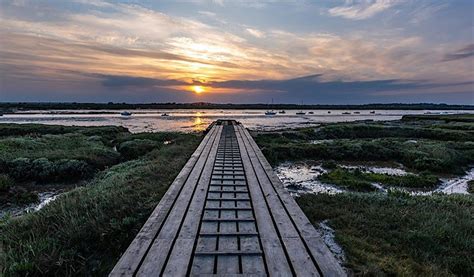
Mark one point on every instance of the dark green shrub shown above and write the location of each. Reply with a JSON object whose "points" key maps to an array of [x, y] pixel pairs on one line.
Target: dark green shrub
{"points": [[135, 148], [329, 164], [43, 170], [5, 183]]}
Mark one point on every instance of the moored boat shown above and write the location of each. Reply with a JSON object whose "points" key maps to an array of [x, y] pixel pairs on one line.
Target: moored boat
{"points": [[270, 113]]}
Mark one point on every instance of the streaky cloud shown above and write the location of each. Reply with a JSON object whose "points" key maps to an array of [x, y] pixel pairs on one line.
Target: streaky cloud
{"points": [[463, 53]]}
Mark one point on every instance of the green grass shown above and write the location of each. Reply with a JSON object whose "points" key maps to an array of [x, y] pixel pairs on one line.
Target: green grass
{"points": [[400, 235], [12, 129], [361, 181], [51, 158], [54, 147], [419, 144], [84, 231], [435, 156], [445, 118]]}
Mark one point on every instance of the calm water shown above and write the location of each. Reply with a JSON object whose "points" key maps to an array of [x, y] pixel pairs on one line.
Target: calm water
{"points": [[198, 120]]}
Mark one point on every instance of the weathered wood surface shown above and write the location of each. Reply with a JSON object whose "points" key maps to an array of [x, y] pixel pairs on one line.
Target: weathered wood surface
{"points": [[227, 213]]}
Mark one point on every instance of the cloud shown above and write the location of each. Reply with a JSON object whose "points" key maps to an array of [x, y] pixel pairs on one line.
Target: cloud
{"points": [[463, 53], [207, 13], [112, 81], [362, 9], [256, 33], [83, 46]]}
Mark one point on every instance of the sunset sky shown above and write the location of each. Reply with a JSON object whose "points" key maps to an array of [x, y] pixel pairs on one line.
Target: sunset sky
{"points": [[327, 52]]}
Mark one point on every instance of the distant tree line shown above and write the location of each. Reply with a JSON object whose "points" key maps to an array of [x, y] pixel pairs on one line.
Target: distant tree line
{"points": [[18, 106]]}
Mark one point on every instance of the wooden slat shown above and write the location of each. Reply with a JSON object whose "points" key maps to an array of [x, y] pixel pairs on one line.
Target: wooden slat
{"points": [[299, 258], [327, 264], [275, 257], [131, 259], [155, 260], [182, 251]]}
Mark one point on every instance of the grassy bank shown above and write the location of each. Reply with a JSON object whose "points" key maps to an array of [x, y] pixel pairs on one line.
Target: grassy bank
{"points": [[390, 234], [84, 231], [419, 146], [49, 153], [362, 181], [399, 235]]}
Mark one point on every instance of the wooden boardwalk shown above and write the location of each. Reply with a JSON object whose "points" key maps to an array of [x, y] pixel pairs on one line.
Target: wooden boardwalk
{"points": [[227, 213]]}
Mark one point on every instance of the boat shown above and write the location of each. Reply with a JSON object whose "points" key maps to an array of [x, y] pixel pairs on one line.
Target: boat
{"points": [[282, 112], [356, 112], [329, 111], [125, 113], [270, 113], [300, 113], [311, 113], [165, 114], [372, 112], [346, 113]]}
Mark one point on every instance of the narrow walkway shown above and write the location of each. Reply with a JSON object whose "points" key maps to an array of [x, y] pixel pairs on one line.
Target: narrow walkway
{"points": [[227, 213]]}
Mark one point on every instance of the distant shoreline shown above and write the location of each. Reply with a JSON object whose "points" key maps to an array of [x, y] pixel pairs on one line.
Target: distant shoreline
{"points": [[9, 107]]}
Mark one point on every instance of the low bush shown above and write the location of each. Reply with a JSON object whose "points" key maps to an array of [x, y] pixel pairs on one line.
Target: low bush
{"points": [[133, 149], [43, 170], [361, 181]]}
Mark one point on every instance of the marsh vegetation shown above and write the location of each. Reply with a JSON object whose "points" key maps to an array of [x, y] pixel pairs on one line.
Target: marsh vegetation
{"points": [[83, 231], [371, 173]]}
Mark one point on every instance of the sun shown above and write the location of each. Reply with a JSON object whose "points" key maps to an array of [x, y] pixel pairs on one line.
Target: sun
{"points": [[198, 89]]}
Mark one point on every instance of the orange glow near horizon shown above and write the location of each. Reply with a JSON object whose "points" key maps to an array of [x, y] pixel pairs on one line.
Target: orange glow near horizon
{"points": [[198, 89]]}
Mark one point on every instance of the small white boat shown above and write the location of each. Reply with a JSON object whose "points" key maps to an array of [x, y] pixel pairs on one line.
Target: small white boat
{"points": [[310, 112], [372, 112], [356, 112], [125, 113], [282, 112], [300, 113], [346, 113], [165, 114], [270, 113]]}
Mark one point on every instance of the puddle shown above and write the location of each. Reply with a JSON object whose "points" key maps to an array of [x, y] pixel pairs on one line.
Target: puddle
{"points": [[376, 169], [327, 234], [456, 185], [44, 199], [320, 141], [299, 178]]}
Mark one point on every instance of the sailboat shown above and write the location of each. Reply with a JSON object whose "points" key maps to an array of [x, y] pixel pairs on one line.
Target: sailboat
{"points": [[271, 112], [301, 112]]}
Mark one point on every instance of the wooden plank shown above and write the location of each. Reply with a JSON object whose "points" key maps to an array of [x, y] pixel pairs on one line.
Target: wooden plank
{"points": [[275, 257], [228, 264], [327, 264], [295, 248], [157, 255], [181, 253], [131, 258]]}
